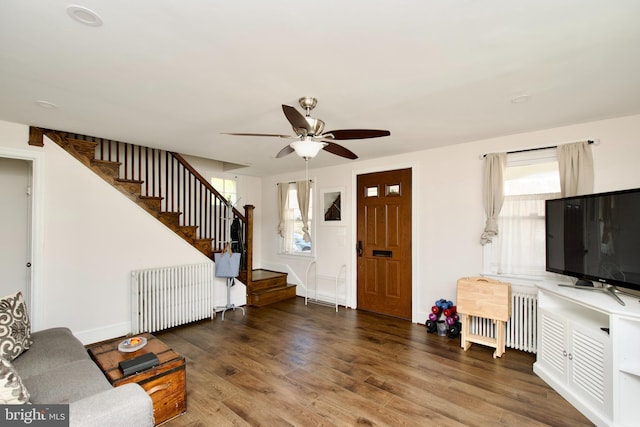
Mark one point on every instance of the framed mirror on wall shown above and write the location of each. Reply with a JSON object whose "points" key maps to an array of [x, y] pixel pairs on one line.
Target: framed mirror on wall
{"points": [[331, 202]]}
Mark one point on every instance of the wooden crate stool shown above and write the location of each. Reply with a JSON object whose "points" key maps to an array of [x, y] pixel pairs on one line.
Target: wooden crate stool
{"points": [[487, 298]]}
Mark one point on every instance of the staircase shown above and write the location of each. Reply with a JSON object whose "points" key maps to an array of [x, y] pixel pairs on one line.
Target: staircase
{"points": [[168, 188], [269, 287]]}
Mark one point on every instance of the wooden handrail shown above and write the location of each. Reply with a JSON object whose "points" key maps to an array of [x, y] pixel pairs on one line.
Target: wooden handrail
{"points": [[205, 182]]}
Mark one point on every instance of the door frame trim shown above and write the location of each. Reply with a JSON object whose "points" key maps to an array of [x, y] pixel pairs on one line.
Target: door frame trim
{"points": [[352, 294], [36, 158]]}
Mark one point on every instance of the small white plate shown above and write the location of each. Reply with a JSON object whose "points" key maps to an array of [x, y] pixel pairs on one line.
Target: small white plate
{"points": [[132, 344]]}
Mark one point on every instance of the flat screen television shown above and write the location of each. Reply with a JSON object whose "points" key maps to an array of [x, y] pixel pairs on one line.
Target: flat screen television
{"points": [[596, 238]]}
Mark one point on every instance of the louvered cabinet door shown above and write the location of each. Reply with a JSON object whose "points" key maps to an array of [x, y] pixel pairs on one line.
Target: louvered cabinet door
{"points": [[576, 353], [552, 347], [589, 365]]}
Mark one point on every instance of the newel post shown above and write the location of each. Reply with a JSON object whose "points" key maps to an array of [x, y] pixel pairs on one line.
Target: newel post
{"points": [[36, 136], [248, 214]]}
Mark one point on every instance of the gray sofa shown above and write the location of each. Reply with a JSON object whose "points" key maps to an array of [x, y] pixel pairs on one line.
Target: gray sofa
{"points": [[58, 369]]}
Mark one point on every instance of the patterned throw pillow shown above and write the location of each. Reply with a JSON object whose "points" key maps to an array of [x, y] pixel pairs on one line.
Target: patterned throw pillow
{"points": [[15, 328], [12, 391]]}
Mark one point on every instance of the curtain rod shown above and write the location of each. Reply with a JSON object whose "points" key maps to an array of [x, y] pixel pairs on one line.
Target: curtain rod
{"points": [[292, 182], [589, 141]]}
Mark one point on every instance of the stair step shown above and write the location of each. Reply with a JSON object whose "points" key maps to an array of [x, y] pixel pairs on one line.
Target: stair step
{"points": [[108, 168], [268, 287], [204, 246], [188, 232], [131, 186], [170, 219], [267, 279], [153, 203], [82, 147], [271, 295]]}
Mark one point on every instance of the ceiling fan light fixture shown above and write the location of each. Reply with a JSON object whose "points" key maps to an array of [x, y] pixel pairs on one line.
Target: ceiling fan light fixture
{"points": [[307, 148], [310, 137]]}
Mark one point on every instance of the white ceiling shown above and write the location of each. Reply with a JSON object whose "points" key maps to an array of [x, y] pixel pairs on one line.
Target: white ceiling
{"points": [[176, 74]]}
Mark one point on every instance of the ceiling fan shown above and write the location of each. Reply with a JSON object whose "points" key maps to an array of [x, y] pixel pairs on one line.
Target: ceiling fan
{"points": [[310, 138]]}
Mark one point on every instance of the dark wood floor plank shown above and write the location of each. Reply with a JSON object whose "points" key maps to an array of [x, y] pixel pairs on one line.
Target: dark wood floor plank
{"points": [[290, 364], [359, 406]]}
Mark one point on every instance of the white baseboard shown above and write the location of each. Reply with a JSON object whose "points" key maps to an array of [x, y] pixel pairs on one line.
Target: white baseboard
{"points": [[91, 336], [324, 297]]}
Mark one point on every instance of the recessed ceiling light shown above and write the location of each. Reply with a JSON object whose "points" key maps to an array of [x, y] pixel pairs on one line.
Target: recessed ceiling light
{"points": [[520, 99], [84, 15], [46, 104]]}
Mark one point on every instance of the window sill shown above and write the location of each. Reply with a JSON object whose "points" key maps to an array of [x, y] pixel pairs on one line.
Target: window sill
{"points": [[518, 282]]}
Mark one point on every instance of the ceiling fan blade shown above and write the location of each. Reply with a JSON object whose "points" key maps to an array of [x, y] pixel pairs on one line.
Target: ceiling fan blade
{"points": [[343, 134], [275, 135], [285, 151], [296, 119], [339, 150]]}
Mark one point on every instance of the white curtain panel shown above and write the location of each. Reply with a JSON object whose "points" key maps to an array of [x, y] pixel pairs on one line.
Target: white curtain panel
{"points": [[521, 220], [283, 194], [493, 193], [288, 230], [304, 195], [575, 162]]}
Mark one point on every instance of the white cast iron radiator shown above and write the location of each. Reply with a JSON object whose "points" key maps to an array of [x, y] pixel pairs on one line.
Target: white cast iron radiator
{"points": [[165, 297], [521, 327]]}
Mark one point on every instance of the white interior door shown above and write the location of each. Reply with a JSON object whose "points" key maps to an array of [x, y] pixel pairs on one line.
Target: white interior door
{"points": [[15, 177]]}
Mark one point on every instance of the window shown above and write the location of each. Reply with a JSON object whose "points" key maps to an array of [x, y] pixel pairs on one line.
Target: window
{"points": [[372, 192], [293, 241], [227, 187], [519, 249]]}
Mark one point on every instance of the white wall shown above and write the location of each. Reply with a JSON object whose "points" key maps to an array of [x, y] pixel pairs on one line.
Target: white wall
{"points": [[448, 213], [93, 238]]}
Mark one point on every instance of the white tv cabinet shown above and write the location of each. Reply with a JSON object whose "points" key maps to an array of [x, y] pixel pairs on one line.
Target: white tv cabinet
{"points": [[589, 352]]}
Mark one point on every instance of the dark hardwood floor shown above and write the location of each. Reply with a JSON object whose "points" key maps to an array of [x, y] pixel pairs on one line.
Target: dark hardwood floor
{"points": [[291, 364]]}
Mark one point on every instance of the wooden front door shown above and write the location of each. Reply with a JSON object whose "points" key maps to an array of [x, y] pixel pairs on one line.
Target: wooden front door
{"points": [[384, 243]]}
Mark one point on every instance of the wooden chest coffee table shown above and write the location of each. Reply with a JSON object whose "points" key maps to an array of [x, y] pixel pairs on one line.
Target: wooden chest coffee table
{"points": [[165, 383]]}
